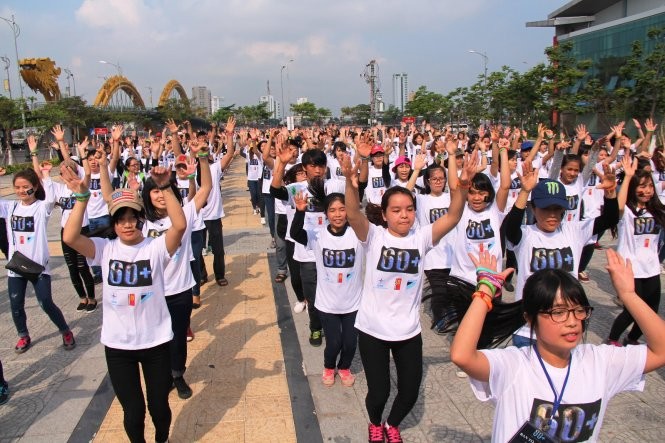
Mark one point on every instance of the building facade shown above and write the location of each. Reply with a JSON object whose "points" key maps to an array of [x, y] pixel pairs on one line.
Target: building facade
{"points": [[603, 31], [202, 98], [272, 106], [400, 90]]}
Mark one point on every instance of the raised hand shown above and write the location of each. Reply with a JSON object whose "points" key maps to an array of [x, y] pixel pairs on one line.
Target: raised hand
{"points": [[72, 180], [230, 125], [160, 175], [285, 152], [350, 169], [82, 146], [621, 272], [58, 133], [172, 127], [636, 122], [529, 177], [300, 199], [609, 180], [191, 166], [470, 166], [32, 143], [649, 125], [581, 132], [45, 166], [488, 261], [420, 161], [629, 167], [101, 157], [116, 132]]}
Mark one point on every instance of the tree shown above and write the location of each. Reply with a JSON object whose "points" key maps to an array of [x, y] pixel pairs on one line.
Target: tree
{"points": [[392, 115], [430, 105], [10, 116], [176, 109], [253, 114], [222, 114], [358, 114], [310, 113]]}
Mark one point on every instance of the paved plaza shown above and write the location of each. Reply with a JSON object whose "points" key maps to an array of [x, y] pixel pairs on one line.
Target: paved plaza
{"points": [[254, 375]]}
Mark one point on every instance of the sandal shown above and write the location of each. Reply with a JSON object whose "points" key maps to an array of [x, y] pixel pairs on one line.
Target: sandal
{"points": [[280, 278], [196, 304]]}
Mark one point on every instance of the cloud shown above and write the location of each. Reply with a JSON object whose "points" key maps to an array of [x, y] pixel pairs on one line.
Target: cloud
{"points": [[110, 13]]}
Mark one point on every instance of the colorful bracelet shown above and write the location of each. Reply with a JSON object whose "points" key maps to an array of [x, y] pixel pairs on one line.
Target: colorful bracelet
{"points": [[488, 284], [33, 154], [203, 154], [485, 298], [191, 176], [81, 194]]}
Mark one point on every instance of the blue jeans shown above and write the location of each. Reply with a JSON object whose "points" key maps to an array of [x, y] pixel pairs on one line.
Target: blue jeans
{"points": [[341, 339], [93, 225], [269, 202], [17, 287]]}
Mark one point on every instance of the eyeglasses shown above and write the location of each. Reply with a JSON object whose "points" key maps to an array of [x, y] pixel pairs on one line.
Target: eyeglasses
{"points": [[436, 179], [560, 315]]}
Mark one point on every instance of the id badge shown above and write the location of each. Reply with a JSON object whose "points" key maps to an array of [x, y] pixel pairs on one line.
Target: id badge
{"points": [[528, 433]]}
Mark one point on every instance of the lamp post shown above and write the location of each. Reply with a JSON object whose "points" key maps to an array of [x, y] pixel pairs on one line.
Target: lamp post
{"points": [[5, 59], [281, 86], [117, 65], [71, 75], [485, 60], [150, 89], [17, 31]]}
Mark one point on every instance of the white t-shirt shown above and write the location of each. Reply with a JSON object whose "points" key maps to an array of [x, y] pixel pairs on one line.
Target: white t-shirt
{"points": [[638, 241], [97, 207], [476, 232], [254, 168], [592, 197], [335, 169], [520, 391], [183, 189], [389, 308], [339, 270], [135, 311], [375, 185], [214, 209], [178, 275], [26, 229], [573, 193], [267, 179], [65, 200], [430, 209]]}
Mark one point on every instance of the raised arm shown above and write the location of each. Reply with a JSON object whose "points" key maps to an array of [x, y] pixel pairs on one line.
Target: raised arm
{"points": [[629, 168], [298, 232], [652, 326], [175, 140], [201, 153], [59, 135], [418, 166], [357, 219], [71, 233], [230, 148], [504, 183], [162, 178], [116, 133]]}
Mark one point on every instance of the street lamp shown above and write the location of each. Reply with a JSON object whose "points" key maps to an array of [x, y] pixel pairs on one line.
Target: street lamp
{"points": [[70, 75], [150, 89], [117, 65], [485, 60], [281, 84], [17, 31], [5, 59]]}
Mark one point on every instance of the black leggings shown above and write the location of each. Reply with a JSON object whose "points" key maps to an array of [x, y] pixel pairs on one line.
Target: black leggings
{"points": [[649, 290], [308, 279], [341, 339], [294, 270], [408, 357], [180, 308], [123, 366], [79, 271]]}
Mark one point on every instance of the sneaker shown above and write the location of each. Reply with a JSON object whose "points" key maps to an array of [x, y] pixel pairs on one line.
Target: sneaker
{"points": [[391, 433], [347, 377], [627, 341], [97, 279], [263, 220], [315, 338], [190, 334], [375, 433], [4, 393], [612, 343], [583, 277], [461, 374], [299, 307], [508, 286], [328, 377], [68, 341], [22, 345], [184, 391], [82, 306], [91, 307]]}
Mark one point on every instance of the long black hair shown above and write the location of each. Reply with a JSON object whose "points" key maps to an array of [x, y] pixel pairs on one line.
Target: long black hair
{"points": [[151, 213], [109, 231], [30, 175], [654, 205]]}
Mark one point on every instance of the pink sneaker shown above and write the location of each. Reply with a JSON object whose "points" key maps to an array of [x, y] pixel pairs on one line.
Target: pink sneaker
{"points": [[612, 343], [347, 377], [375, 433], [392, 434], [328, 377]]}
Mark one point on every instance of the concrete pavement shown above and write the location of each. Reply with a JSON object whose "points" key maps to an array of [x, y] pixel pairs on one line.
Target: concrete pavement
{"points": [[254, 375]]}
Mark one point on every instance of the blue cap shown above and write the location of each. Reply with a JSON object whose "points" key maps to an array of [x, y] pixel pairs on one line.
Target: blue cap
{"points": [[549, 193], [526, 145]]}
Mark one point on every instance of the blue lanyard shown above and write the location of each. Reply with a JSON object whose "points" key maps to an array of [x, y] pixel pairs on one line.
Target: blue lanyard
{"points": [[557, 399]]}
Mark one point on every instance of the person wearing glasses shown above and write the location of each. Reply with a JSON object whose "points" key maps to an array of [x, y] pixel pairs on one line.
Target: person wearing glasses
{"points": [[559, 388]]}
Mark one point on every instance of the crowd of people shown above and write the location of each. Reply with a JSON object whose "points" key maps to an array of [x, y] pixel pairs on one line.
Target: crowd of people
{"points": [[366, 223]]}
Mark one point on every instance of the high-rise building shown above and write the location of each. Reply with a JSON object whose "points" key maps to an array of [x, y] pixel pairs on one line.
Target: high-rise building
{"points": [[272, 106], [301, 100], [215, 103], [400, 90], [202, 98]]}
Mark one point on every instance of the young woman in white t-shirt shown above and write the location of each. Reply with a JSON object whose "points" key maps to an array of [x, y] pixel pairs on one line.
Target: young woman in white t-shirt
{"points": [[178, 276], [560, 387], [339, 266], [27, 217], [642, 219], [136, 325], [388, 319]]}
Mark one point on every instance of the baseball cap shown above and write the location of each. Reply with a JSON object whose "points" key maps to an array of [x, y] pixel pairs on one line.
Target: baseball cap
{"points": [[377, 149], [400, 161], [181, 160], [526, 145], [126, 197], [549, 193], [459, 152]]}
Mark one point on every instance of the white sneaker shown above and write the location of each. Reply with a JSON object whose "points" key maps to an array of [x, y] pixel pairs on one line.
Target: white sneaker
{"points": [[299, 307], [263, 220], [461, 374]]}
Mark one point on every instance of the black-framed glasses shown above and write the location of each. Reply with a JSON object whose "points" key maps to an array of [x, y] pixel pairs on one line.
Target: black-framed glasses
{"points": [[560, 315], [436, 179]]}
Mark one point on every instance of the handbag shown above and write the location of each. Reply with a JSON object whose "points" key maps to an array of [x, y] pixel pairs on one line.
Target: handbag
{"points": [[22, 265], [25, 267]]}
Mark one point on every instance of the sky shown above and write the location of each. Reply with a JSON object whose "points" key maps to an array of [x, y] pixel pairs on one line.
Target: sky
{"points": [[235, 47]]}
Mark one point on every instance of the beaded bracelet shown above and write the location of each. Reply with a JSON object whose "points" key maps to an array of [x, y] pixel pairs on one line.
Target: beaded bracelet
{"points": [[81, 194], [33, 154], [202, 154], [485, 298], [191, 176], [489, 285]]}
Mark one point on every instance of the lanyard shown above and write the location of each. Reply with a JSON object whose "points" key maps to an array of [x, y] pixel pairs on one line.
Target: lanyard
{"points": [[557, 399]]}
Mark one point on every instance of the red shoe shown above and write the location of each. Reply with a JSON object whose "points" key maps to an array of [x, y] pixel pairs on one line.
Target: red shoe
{"points": [[68, 341], [190, 334], [392, 434], [375, 433], [347, 377], [328, 377], [22, 345]]}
